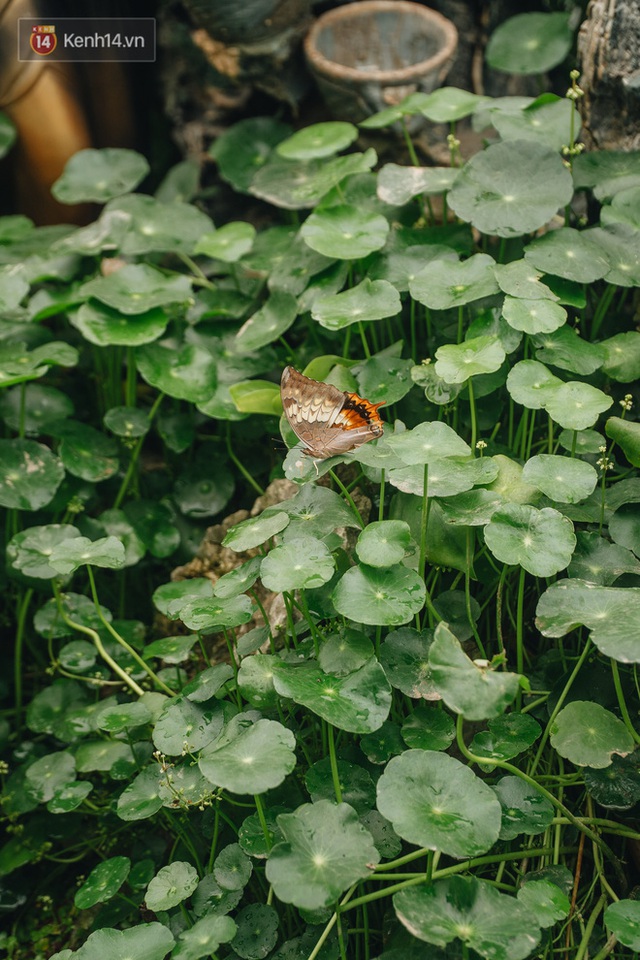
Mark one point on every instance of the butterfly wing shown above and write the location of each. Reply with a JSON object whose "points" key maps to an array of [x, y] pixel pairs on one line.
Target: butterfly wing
{"points": [[327, 420]]}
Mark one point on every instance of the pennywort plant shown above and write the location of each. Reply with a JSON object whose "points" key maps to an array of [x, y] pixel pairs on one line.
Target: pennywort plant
{"points": [[391, 710]]}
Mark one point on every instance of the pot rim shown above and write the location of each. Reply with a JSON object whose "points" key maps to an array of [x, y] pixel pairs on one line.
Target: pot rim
{"points": [[354, 11]]}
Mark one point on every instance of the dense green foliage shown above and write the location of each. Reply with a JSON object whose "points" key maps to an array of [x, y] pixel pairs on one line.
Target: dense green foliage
{"points": [[424, 744]]}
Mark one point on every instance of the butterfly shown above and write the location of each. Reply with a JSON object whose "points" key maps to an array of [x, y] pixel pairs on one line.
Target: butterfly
{"points": [[328, 421]]}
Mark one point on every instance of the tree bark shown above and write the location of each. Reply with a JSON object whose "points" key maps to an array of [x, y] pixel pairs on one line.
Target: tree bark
{"points": [[609, 57]]}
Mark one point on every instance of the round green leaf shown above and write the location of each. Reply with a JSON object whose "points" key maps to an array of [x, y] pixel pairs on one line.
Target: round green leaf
{"points": [[206, 684], [106, 326], [186, 727], [49, 773], [524, 809], [204, 490], [257, 759], [211, 900], [30, 550], [428, 443], [369, 300], [624, 208], [568, 253], [30, 474], [563, 479], [344, 652], [520, 279], [95, 176], [530, 43], [385, 377], [356, 785], [42, 405], [407, 107], [255, 681], [623, 919], [576, 405], [545, 121], [448, 283], [153, 524], [146, 941], [606, 611], [251, 835], [622, 356], [256, 530], [101, 755], [389, 596], [302, 563], [78, 656], [138, 288], [358, 703], [103, 882], [385, 543], [435, 801], [229, 243], [325, 850], [449, 104], [564, 348], [495, 926], [127, 421], [533, 316], [171, 885], [384, 743], [457, 362], [17, 364], [345, 232], [239, 580], [540, 541], [204, 937], [469, 688], [124, 716], [511, 188], [627, 435], [428, 729], [619, 244], [404, 656], [68, 555], [141, 799], [318, 140], [257, 931], [210, 615], [155, 226], [171, 597], [104, 234], [86, 452], [185, 372], [507, 736], [48, 620], [599, 561], [587, 734], [532, 384], [269, 322], [69, 796], [545, 900], [183, 785], [244, 147], [294, 184], [232, 868], [397, 185]]}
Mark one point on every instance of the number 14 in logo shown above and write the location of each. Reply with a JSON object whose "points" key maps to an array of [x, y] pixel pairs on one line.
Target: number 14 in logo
{"points": [[43, 39]]}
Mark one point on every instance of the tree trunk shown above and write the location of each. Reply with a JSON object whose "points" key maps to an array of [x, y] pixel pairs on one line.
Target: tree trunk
{"points": [[609, 55]]}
